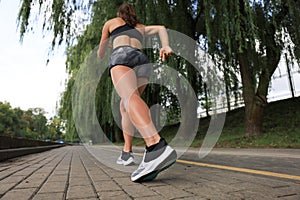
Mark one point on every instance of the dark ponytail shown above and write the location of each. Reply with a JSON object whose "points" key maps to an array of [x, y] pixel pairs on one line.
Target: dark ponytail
{"points": [[127, 13]]}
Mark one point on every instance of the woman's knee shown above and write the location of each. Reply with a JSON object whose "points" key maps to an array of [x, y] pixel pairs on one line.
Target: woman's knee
{"points": [[130, 100]]}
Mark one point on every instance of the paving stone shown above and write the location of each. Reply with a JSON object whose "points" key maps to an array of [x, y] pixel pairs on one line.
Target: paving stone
{"points": [[49, 196], [57, 178], [287, 191], [152, 198], [4, 187], [179, 182], [25, 172], [34, 181], [61, 172], [72, 169], [78, 174], [114, 195], [171, 192], [45, 170], [6, 173], [106, 186], [209, 192], [115, 173], [79, 181], [30, 183], [124, 181], [3, 167], [248, 189], [55, 187], [289, 197], [100, 176], [39, 175], [138, 190], [155, 183], [19, 194], [12, 179], [245, 194], [196, 198], [80, 192]]}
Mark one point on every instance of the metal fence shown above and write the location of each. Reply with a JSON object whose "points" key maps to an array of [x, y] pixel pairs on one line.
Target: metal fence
{"points": [[284, 84]]}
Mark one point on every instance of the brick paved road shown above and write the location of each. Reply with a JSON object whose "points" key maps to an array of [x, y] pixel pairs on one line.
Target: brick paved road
{"points": [[72, 173]]}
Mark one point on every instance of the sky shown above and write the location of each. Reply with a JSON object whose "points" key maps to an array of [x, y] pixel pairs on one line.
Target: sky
{"points": [[25, 79], [27, 82]]}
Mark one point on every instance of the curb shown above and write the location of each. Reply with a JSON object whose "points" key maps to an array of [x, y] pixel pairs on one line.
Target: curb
{"points": [[16, 152]]}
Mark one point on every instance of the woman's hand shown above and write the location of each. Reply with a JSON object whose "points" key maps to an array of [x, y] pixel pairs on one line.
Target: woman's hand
{"points": [[165, 52]]}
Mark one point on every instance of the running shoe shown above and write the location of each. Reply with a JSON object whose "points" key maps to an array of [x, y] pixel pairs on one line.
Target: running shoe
{"points": [[153, 163], [126, 158]]}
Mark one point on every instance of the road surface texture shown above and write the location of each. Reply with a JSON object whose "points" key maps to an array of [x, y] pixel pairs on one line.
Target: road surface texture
{"points": [[79, 172]]}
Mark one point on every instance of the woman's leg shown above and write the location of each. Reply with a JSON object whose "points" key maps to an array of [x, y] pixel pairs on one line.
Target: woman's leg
{"points": [[127, 126], [125, 82]]}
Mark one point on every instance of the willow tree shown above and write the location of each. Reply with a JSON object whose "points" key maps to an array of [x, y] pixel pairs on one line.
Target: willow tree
{"points": [[245, 36], [250, 37], [63, 18]]}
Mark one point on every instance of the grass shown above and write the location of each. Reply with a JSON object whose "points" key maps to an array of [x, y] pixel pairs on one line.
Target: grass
{"points": [[281, 128]]}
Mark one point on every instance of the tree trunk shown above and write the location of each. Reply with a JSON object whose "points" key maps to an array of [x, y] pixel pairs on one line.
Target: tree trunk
{"points": [[254, 114], [255, 98], [227, 87], [254, 102]]}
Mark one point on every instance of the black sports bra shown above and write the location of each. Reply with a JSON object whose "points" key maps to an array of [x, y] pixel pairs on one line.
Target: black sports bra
{"points": [[126, 30]]}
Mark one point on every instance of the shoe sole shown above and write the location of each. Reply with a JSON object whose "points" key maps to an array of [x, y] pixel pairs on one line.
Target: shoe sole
{"points": [[129, 162], [152, 175]]}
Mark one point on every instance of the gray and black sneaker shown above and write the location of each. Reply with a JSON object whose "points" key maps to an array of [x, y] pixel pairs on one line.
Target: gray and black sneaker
{"points": [[153, 163], [126, 158]]}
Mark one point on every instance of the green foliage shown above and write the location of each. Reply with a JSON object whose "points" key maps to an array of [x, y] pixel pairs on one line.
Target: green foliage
{"points": [[28, 124], [58, 16], [7, 118], [238, 34], [250, 37], [76, 58], [251, 26], [55, 129]]}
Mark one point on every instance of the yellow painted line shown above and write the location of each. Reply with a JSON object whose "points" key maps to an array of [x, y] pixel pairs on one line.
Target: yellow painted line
{"points": [[245, 170], [237, 169]]}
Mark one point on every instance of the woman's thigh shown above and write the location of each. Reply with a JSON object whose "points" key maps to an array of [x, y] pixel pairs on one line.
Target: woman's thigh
{"points": [[124, 80]]}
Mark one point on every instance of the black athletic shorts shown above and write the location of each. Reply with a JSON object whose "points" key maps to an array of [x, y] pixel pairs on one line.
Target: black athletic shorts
{"points": [[133, 58]]}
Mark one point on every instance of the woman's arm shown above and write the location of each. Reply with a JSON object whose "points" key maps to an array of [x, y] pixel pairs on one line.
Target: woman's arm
{"points": [[166, 50], [161, 31], [104, 41]]}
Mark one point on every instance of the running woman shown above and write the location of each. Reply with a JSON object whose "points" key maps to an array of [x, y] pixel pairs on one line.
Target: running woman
{"points": [[130, 71]]}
